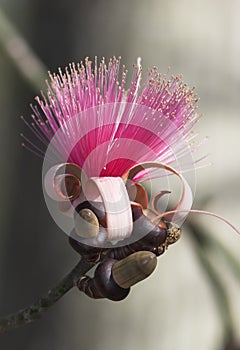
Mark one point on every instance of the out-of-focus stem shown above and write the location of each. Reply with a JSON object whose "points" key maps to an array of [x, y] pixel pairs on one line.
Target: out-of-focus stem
{"points": [[37, 309], [202, 245], [215, 244], [18, 50]]}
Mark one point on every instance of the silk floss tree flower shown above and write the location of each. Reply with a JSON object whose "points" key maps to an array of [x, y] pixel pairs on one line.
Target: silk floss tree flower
{"points": [[101, 143]]}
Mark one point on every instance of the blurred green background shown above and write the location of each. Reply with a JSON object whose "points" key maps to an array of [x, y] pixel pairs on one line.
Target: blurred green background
{"points": [[192, 300]]}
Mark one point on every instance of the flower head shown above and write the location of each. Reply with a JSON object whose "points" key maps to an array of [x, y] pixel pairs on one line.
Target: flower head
{"points": [[104, 139], [92, 107]]}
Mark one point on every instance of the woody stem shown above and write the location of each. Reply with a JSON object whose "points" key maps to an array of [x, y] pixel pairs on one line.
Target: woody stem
{"points": [[38, 308]]}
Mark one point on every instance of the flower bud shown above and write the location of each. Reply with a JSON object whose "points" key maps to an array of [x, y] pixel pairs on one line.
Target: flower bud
{"points": [[133, 269]]}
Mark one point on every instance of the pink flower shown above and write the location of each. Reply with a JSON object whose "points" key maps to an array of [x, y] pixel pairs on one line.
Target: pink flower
{"points": [[89, 119], [92, 126], [102, 141], [150, 121]]}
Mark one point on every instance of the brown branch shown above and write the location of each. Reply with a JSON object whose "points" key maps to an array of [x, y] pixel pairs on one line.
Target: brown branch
{"points": [[37, 309]]}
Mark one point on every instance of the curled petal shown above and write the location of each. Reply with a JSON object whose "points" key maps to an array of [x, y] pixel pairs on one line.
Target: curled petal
{"points": [[166, 214], [68, 207], [138, 194], [156, 198], [179, 213], [113, 193], [63, 182]]}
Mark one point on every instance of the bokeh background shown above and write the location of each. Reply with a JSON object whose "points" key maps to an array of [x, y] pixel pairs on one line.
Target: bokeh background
{"points": [[192, 300]]}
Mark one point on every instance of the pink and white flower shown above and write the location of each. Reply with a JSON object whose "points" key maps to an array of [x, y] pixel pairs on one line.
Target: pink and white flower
{"points": [[159, 115], [102, 139]]}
